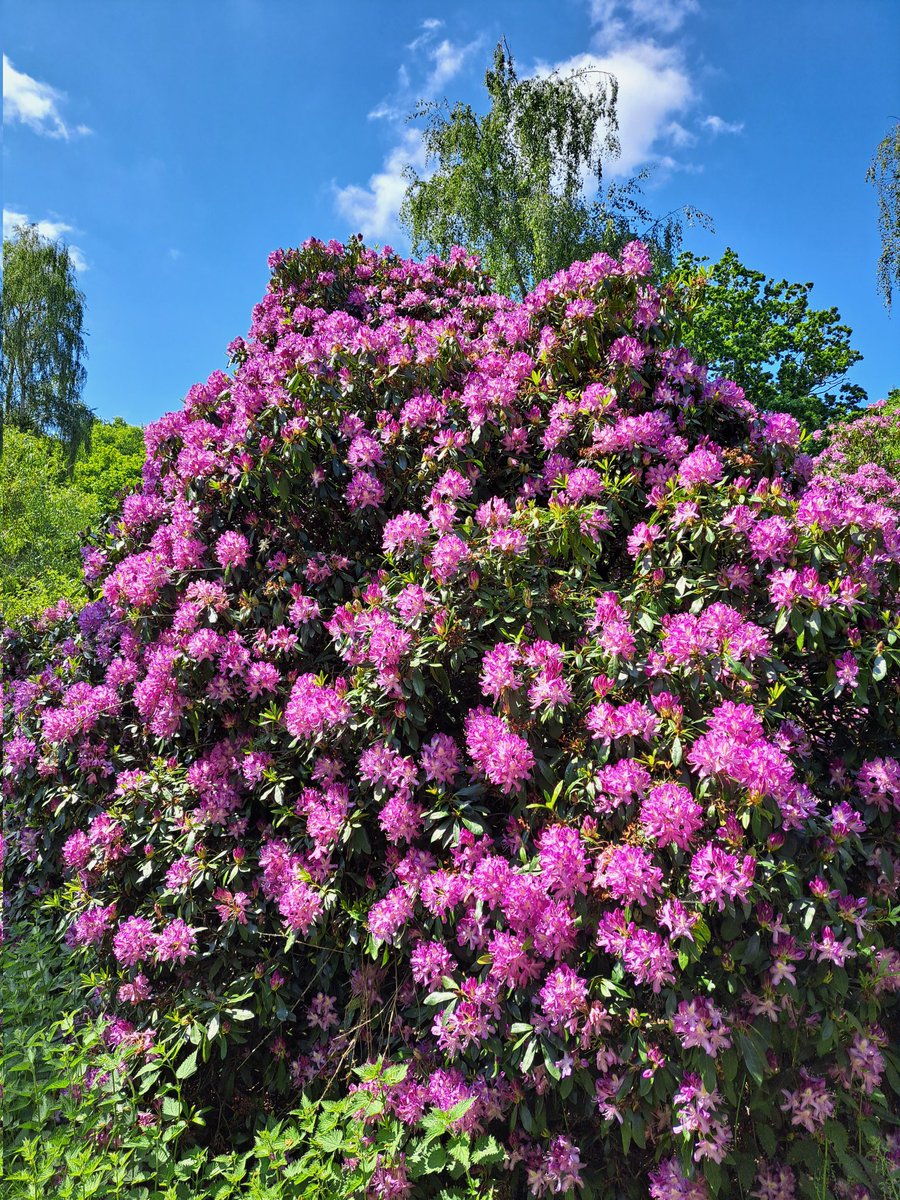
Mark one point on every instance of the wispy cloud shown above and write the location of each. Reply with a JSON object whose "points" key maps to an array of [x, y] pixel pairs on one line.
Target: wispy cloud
{"points": [[35, 104], [444, 60], [717, 125], [679, 135], [55, 231], [433, 61], [428, 28], [448, 60], [660, 16]]}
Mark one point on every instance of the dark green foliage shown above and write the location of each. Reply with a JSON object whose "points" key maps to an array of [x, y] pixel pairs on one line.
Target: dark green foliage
{"points": [[763, 334], [42, 372], [509, 184]]}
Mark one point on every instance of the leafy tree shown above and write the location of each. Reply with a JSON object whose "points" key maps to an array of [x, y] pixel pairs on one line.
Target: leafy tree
{"points": [[113, 464], [763, 334], [509, 184], [42, 372], [42, 515], [46, 508], [884, 174]]}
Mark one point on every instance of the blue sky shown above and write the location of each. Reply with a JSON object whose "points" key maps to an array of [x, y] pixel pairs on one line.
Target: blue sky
{"points": [[174, 143]]}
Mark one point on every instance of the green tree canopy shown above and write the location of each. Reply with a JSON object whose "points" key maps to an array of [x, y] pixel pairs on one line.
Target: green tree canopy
{"points": [[510, 184], [884, 174], [42, 369], [46, 509], [113, 464], [764, 334]]}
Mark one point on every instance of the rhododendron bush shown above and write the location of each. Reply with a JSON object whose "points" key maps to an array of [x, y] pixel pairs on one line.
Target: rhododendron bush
{"points": [[479, 688]]}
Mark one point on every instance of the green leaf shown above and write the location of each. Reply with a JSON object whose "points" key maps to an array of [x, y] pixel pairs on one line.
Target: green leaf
{"points": [[528, 1056], [459, 1109], [708, 1074], [715, 1176], [459, 1150], [753, 1053], [626, 1133], [187, 1067], [836, 1134], [427, 1159], [331, 1141], [766, 1137], [487, 1152]]}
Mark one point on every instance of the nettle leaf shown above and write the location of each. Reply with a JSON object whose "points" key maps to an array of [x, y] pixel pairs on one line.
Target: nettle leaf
{"points": [[426, 1159], [330, 1141], [488, 1152], [187, 1067]]}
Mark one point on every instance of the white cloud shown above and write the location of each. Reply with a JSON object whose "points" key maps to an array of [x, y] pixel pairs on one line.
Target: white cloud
{"points": [[34, 104], [429, 28], [79, 262], [54, 231], [717, 125], [447, 59], [373, 210]]}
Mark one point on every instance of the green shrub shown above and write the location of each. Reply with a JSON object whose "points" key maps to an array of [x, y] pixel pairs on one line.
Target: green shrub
{"points": [[866, 451], [484, 691]]}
